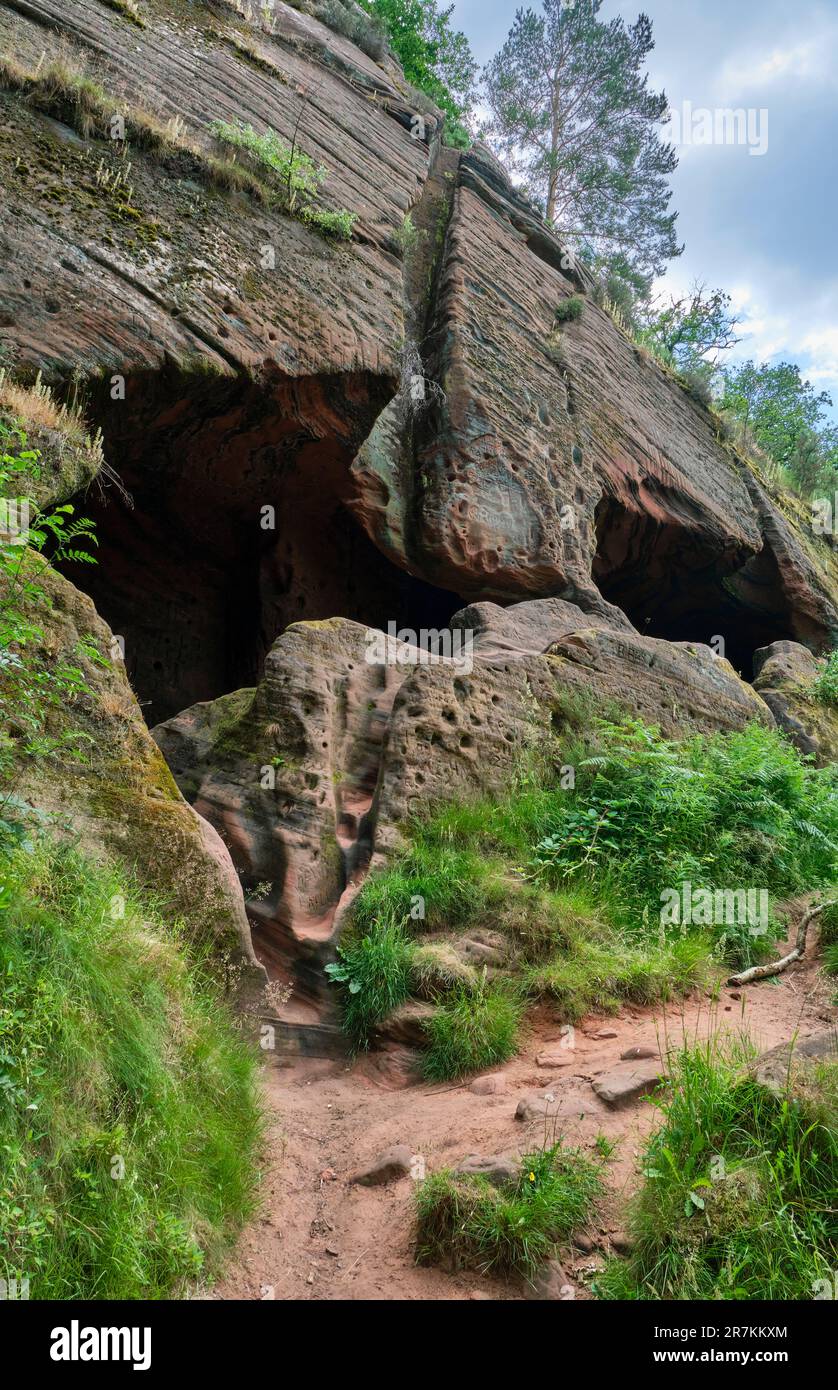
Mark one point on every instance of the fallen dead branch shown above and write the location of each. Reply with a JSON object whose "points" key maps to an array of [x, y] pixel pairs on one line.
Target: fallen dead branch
{"points": [[763, 972]]}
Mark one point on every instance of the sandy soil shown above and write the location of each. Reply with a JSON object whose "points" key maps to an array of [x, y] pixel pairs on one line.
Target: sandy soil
{"points": [[319, 1237]]}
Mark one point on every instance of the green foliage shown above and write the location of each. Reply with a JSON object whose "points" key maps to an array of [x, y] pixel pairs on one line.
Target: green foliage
{"points": [[599, 968], [435, 57], [787, 418], [689, 331], [572, 113], [468, 1222], [373, 972], [408, 235], [739, 1193], [739, 810], [471, 1030], [825, 684], [32, 541], [299, 178], [572, 880], [128, 1112], [570, 309]]}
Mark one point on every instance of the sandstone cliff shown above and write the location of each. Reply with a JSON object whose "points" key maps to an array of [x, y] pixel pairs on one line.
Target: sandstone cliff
{"points": [[320, 437]]}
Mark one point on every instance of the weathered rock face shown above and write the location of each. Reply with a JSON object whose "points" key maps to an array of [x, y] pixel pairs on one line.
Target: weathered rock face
{"points": [[784, 676], [319, 439], [313, 773], [120, 799], [544, 462]]}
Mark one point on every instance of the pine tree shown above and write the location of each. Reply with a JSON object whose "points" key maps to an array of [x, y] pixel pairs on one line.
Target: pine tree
{"points": [[571, 110]]}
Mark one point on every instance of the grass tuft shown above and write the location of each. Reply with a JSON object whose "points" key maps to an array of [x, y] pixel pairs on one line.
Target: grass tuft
{"points": [[471, 1030], [467, 1222]]}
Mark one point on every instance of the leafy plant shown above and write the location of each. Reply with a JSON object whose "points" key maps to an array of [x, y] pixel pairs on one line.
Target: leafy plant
{"points": [[825, 684], [299, 178], [435, 57], [739, 809], [373, 973], [570, 309], [32, 542]]}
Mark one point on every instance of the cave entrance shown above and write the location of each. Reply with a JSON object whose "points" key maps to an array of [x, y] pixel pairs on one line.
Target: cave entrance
{"points": [[671, 583], [237, 525]]}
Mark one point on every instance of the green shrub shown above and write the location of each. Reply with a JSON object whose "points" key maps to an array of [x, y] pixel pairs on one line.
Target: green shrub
{"points": [[727, 811], [128, 1104], [471, 1030], [570, 309], [299, 179], [374, 972], [825, 684], [467, 1221], [739, 1193]]}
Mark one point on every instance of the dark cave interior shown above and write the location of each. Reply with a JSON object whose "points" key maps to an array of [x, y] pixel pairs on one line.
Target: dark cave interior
{"points": [[676, 587], [197, 576], [238, 525]]}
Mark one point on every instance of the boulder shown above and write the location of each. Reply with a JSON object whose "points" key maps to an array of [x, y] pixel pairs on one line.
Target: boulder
{"points": [[493, 1085], [628, 1083], [121, 801], [394, 1163], [784, 674], [790, 1067], [550, 1284], [498, 1170]]}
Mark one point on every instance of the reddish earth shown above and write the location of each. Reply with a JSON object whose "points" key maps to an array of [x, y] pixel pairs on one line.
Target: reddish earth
{"points": [[318, 1237]]}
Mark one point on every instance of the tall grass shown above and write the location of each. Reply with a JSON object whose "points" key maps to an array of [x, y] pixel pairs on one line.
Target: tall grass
{"points": [[739, 1193], [472, 1029], [128, 1113]]}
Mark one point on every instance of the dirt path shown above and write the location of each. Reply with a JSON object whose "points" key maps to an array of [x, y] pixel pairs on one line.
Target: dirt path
{"points": [[321, 1238]]}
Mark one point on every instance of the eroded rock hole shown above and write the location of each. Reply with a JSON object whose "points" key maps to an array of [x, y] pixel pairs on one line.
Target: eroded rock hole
{"points": [[239, 526], [673, 582]]}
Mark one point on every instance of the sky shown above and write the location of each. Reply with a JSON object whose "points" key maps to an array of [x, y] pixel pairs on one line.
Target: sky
{"points": [[764, 227]]}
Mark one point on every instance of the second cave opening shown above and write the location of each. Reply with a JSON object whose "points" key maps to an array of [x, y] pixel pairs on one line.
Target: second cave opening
{"points": [[672, 583]]}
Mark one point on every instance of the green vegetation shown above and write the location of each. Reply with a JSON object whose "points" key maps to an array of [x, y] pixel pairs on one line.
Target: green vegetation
{"points": [[732, 810], [739, 1193], [30, 687], [572, 113], [825, 684], [435, 57], [570, 309], [374, 970], [572, 883], [345, 17], [128, 1117], [787, 419], [467, 1221], [299, 178], [129, 10], [471, 1030], [774, 415]]}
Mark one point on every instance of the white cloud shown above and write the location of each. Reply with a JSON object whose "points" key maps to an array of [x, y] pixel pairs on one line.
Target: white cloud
{"points": [[811, 61]]}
